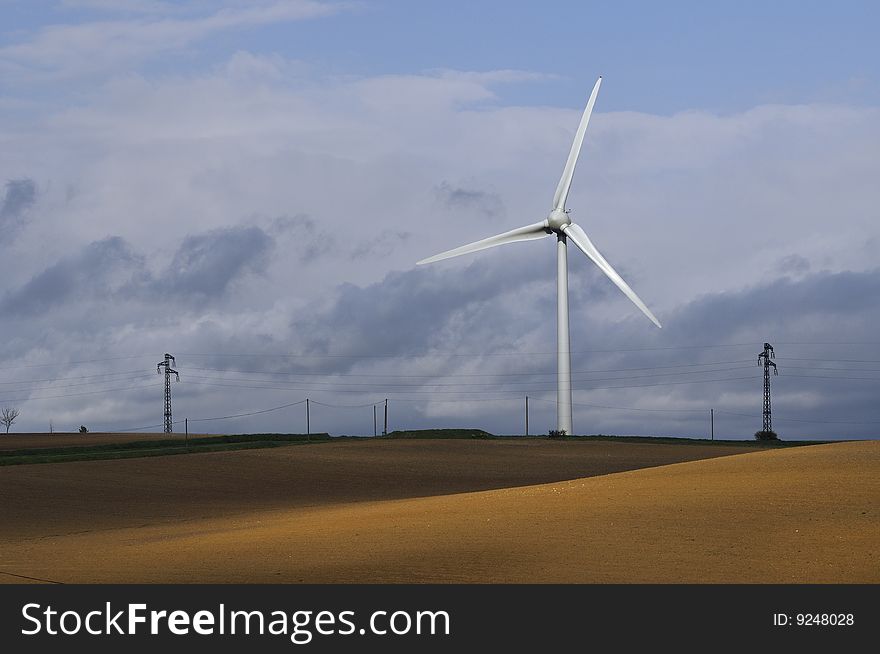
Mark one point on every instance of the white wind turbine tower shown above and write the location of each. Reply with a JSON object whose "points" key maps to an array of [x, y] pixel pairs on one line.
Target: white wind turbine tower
{"points": [[560, 224]]}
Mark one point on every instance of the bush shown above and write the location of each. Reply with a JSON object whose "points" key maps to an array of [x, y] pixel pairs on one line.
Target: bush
{"points": [[557, 433], [83, 429], [766, 436]]}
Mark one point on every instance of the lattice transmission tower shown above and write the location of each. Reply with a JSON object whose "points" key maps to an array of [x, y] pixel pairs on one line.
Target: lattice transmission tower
{"points": [[169, 423], [764, 358]]}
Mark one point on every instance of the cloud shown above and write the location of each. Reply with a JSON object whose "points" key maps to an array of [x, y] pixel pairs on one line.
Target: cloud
{"points": [[435, 91], [302, 234], [458, 198], [98, 269], [109, 271], [89, 47], [428, 311], [381, 245], [125, 6], [19, 197], [206, 264], [777, 305], [794, 265]]}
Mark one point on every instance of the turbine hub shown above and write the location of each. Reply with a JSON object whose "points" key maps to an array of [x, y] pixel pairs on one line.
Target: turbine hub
{"points": [[558, 219]]}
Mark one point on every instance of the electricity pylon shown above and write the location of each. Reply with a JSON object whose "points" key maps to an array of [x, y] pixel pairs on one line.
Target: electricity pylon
{"points": [[168, 372], [764, 358]]}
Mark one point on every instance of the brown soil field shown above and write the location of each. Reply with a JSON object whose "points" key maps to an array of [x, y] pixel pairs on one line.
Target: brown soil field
{"points": [[10, 442], [47, 441], [61, 498], [418, 511]]}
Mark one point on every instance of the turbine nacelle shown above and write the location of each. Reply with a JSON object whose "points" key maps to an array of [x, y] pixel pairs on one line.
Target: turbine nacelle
{"points": [[558, 220]]}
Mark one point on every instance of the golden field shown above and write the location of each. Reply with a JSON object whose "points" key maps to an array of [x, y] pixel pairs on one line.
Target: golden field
{"points": [[450, 511]]}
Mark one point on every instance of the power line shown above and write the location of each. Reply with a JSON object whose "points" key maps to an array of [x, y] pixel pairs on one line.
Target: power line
{"points": [[824, 368], [237, 415], [50, 397], [495, 400], [836, 359], [251, 413], [626, 408], [73, 363], [433, 392], [334, 390], [446, 353], [472, 355], [835, 377], [828, 422], [466, 384], [439, 374], [348, 406], [475, 355], [828, 342], [114, 431], [54, 379], [89, 383]]}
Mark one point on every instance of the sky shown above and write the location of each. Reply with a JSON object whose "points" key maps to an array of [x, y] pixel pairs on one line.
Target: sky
{"points": [[248, 185]]}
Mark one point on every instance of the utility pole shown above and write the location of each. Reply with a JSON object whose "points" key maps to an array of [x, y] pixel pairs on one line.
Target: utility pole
{"points": [[764, 358], [169, 423], [308, 425], [712, 423], [385, 431], [374, 421], [527, 415]]}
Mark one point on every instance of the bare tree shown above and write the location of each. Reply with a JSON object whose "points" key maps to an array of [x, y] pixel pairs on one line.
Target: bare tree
{"points": [[8, 416]]}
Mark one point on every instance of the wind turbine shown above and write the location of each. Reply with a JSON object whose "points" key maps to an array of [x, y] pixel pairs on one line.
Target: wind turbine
{"points": [[558, 223]]}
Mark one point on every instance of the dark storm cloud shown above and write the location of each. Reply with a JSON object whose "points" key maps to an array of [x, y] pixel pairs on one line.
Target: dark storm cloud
{"points": [[206, 264], [492, 305], [406, 311], [95, 271], [20, 195], [485, 306], [784, 305], [808, 306], [730, 328], [458, 198], [110, 271]]}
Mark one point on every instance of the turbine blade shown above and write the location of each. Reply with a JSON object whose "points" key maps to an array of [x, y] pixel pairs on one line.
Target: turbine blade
{"points": [[527, 233], [565, 182], [580, 238]]}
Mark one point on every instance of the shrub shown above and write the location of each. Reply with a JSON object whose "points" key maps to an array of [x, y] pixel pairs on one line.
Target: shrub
{"points": [[766, 436], [557, 433]]}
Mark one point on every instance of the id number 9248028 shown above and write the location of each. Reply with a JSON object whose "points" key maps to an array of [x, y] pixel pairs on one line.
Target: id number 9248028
{"points": [[814, 619]]}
